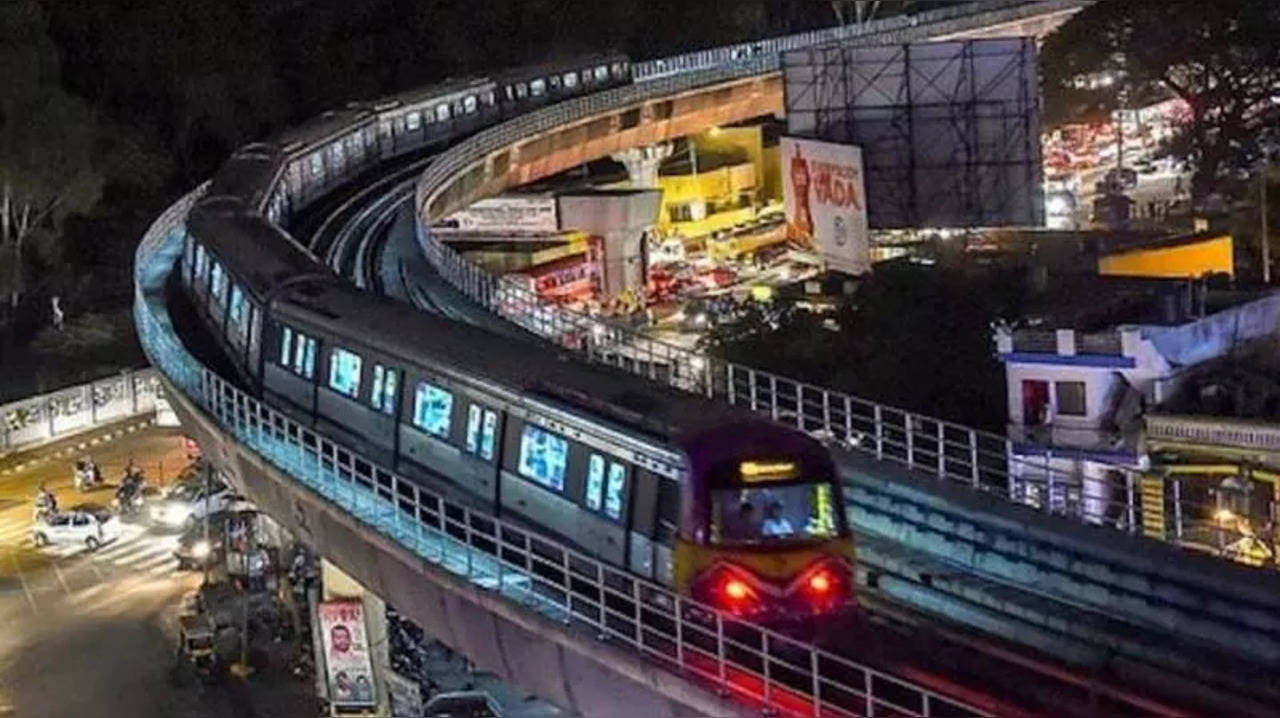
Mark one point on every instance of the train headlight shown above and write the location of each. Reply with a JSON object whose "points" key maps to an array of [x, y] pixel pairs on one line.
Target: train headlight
{"points": [[200, 550]]}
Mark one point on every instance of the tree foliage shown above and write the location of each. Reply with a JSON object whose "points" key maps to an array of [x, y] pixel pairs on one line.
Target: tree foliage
{"points": [[1221, 57], [46, 146], [910, 337]]}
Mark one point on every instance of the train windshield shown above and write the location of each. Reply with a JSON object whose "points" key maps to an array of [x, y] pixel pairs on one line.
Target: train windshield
{"points": [[767, 513]]}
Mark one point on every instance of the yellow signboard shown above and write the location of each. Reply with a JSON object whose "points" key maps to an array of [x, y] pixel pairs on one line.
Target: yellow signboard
{"points": [[761, 471]]}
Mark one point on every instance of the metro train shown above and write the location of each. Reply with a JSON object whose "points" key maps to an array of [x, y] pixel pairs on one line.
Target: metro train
{"points": [[738, 513]]}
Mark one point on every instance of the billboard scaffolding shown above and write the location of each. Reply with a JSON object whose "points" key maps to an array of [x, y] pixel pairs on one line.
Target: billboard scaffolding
{"points": [[949, 131]]}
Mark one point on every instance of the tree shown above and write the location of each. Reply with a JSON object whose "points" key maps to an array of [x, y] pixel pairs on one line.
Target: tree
{"points": [[915, 338], [1222, 58], [46, 145]]}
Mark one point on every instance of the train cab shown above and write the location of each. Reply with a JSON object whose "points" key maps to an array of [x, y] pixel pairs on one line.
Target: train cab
{"points": [[763, 531]]}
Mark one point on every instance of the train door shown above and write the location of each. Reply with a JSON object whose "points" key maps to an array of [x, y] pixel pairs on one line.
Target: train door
{"points": [[1035, 402]]}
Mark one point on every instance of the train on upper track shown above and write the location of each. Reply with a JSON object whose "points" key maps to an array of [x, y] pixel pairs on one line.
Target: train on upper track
{"points": [[741, 514]]}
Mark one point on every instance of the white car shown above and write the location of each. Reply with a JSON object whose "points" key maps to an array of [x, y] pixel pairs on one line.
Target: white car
{"points": [[183, 504], [88, 525], [463, 704]]}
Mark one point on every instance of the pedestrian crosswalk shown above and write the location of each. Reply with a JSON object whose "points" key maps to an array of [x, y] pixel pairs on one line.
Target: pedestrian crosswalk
{"points": [[74, 571]]}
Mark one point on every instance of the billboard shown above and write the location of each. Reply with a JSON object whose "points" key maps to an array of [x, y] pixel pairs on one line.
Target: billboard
{"points": [[825, 204], [949, 131], [346, 654], [509, 214]]}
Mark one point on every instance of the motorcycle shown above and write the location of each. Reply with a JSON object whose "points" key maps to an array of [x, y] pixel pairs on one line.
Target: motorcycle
{"points": [[128, 498], [87, 475]]}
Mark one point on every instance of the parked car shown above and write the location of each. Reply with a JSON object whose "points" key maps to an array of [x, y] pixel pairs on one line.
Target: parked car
{"points": [[185, 503], [88, 525], [463, 704], [194, 550]]}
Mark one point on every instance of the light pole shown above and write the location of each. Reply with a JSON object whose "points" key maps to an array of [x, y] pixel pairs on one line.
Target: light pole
{"points": [[1266, 242]]}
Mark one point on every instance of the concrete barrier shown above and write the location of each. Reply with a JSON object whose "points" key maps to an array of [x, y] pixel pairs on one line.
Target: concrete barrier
{"points": [[32, 422]]}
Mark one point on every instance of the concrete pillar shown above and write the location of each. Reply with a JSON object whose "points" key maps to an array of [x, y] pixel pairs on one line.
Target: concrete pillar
{"points": [[338, 585], [642, 163]]}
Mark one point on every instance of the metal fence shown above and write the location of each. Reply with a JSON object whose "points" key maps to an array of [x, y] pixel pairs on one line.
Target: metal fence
{"points": [[30, 422], [719, 651]]}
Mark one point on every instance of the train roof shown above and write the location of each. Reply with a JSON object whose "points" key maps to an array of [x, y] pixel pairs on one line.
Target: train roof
{"points": [[411, 98], [321, 129], [249, 174], [533, 368], [563, 64], [261, 256]]}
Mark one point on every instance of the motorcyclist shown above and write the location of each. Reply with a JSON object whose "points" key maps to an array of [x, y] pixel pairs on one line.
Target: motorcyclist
{"points": [[46, 502], [87, 474], [130, 490]]}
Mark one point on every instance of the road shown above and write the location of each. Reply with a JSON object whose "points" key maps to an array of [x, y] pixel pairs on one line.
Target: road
{"points": [[91, 634]]}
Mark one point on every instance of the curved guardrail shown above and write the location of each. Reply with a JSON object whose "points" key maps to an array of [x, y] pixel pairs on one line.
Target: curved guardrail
{"points": [[677, 633], [984, 460]]}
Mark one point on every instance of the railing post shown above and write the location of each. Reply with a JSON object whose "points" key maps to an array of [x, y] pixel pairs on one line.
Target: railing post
{"points": [[679, 619], [720, 659], [911, 439], [773, 397], [942, 450], [767, 696], [800, 406], [816, 683], [751, 386], [879, 422], [1177, 508], [730, 390], [826, 413], [1048, 481], [973, 459], [1132, 509], [867, 687]]}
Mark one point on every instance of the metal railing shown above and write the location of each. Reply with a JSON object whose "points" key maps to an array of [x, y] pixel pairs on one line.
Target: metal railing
{"points": [[722, 652], [1213, 431], [31, 422]]}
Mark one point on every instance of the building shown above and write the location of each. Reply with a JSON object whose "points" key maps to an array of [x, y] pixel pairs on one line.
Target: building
{"points": [[1094, 355]]}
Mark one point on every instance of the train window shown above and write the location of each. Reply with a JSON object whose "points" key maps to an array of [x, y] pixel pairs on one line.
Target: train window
{"points": [[510, 93], [469, 104], [384, 128], [336, 150], [202, 260], [382, 396], [432, 407], [442, 113], [522, 90], [602, 73], [344, 372], [587, 77], [555, 82], [482, 425], [218, 280], [238, 305], [317, 165], [538, 87], [543, 457], [286, 345], [769, 512], [570, 80], [616, 491], [490, 99], [595, 482], [304, 355], [412, 121]]}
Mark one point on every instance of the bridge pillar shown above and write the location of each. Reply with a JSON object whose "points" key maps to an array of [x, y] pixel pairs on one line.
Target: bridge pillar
{"points": [[338, 585], [642, 163]]}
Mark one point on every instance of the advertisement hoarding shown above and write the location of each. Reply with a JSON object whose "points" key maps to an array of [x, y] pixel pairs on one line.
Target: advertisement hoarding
{"points": [[346, 654], [823, 195], [509, 214]]}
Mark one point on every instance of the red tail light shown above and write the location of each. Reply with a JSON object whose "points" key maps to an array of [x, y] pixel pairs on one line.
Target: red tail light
{"points": [[820, 582], [824, 586], [729, 589]]}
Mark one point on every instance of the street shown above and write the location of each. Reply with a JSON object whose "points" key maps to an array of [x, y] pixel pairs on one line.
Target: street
{"points": [[92, 634]]}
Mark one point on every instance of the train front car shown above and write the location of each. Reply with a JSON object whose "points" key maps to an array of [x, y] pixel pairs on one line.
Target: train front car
{"points": [[763, 531]]}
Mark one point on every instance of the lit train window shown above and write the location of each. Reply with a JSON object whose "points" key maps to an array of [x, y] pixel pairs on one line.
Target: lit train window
{"points": [[202, 261], [595, 482], [344, 372], [490, 99], [482, 427], [602, 73], [570, 79], [616, 491], [336, 150], [538, 87], [543, 457], [304, 355], [317, 165], [384, 128], [286, 345], [432, 407], [442, 113], [412, 121], [236, 311], [218, 280], [522, 90], [469, 104], [382, 396]]}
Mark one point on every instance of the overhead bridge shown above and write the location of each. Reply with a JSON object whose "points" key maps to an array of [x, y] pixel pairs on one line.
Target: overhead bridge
{"points": [[577, 632]]}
